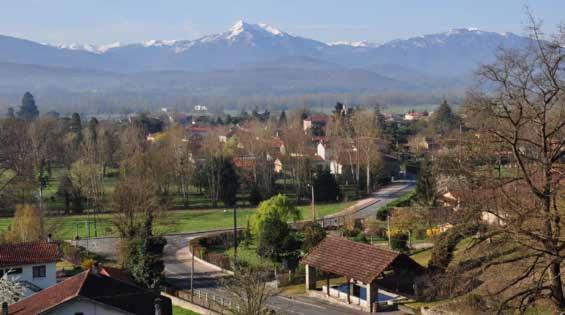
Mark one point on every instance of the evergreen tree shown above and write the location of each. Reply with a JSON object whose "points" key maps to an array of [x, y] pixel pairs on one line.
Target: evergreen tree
{"points": [[282, 118], [93, 129], [28, 110], [229, 183], [426, 184], [229, 120], [326, 187], [338, 108], [444, 120], [275, 240]]}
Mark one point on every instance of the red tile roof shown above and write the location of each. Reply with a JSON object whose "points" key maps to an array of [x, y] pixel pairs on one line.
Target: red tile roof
{"points": [[96, 287], [354, 260], [29, 253], [317, 118]]}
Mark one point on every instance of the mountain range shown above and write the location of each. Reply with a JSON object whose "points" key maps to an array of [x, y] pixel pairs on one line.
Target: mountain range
{"points": [[251, 59]]}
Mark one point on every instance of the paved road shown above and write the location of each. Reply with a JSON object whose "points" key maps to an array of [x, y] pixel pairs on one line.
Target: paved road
{"points": [[207, 278], [384, 196]]}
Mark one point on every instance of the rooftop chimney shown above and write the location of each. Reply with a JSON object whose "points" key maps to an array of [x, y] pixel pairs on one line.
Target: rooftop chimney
{"points": [[49, 238], [5, 308], [95, 268]]}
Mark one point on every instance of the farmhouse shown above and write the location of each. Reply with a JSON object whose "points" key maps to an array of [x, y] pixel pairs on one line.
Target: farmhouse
{"points": [[32, 264], [91, 292]]}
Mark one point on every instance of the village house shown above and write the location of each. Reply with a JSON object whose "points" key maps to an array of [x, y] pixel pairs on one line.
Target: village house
{"points": [[413, 115], [31, 264], [315, 123], [91, 292]]}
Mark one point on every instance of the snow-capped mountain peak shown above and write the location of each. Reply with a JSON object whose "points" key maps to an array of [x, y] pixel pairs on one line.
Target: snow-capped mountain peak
{"points": [[242, 28], [95, 49], [159, 43], [357, 44]]}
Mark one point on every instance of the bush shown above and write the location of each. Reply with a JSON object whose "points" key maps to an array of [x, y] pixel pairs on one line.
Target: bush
{"points": [[313, 234], [255, 196], [326, 187], [361, 238], [404, 201], [399, 242], [87, 264]]}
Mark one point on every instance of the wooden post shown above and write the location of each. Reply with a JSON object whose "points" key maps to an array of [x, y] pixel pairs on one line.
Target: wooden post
{"points": [[349, 291], [310, 278], [371, 297], [328, 283]]}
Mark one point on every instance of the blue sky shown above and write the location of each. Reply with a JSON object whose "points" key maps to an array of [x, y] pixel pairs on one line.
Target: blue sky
{"points": [[105, 21]]}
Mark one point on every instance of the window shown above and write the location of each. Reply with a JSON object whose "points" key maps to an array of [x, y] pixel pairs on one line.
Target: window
{"points": [[14, 271], [39, 271]]}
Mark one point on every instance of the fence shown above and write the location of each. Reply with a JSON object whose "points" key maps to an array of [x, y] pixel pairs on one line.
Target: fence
{"points": [[207, 300]]}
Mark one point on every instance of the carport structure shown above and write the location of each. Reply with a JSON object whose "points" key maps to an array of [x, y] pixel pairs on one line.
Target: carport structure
{"points": [[363, 266]]}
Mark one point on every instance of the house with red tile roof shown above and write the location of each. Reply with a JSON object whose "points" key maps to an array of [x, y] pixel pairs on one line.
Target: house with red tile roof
{"points": [[92, 292], [32, 264]]}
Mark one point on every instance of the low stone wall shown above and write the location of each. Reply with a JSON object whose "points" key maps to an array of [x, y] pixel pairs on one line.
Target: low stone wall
{"points": [[189, 306]]}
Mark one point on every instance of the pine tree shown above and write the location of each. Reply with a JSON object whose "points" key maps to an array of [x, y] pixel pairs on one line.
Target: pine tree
{"points": [[28, 110], [444, 120], [229, 183]]}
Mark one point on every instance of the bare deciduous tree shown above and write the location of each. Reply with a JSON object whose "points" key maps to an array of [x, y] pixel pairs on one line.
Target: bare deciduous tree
{"points": [[520, 116]]}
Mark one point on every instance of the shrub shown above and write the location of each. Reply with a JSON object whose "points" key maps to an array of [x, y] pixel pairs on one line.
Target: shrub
{"points": [[399, 242], [87, 264], [313, 234]]}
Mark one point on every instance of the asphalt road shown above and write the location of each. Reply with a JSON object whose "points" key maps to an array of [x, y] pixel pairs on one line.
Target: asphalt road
{"points": [[207, 278], [384, 196]]}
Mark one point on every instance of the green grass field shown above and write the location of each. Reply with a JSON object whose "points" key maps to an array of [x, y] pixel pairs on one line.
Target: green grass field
{"points": [[181, 311], [66, 227]]}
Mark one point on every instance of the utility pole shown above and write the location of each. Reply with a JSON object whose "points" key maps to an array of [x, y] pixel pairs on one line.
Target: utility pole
{"points": [[235, 237], [388, 228], [313, 204], [192, 275]]}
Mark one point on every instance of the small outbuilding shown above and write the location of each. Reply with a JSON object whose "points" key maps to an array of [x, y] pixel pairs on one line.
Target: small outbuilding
{"points": [[366, 268]]}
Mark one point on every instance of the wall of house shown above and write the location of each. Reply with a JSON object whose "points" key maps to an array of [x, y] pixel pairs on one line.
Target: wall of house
{"points": [[321, 151], [27, 275], [85, 307]]}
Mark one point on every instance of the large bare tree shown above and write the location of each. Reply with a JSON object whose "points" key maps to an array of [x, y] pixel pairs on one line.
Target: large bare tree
{"points": [[510, 169]]}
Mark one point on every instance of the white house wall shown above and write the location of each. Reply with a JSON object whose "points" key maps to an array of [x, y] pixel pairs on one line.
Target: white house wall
{"points": [[27, 275]]}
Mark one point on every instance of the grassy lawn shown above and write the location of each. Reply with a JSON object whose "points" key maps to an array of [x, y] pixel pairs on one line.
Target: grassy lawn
{"points": [[181, 311], [66, 227], [324, 209]]}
